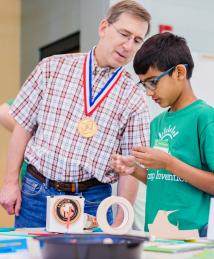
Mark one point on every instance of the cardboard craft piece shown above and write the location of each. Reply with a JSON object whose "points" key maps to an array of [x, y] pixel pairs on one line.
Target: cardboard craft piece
{"points": [[162, 228], [90, 221]]}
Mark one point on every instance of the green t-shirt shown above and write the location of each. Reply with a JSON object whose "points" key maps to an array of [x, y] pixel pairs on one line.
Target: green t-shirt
{"points": [[24, 164], [190, 136]]}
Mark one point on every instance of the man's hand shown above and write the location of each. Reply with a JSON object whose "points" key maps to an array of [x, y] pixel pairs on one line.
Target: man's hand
{"points": [[151, 157], [10, 198], [123, 165]]}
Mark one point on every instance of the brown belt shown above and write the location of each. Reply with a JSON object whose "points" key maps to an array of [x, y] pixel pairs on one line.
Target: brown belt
{"points": [[63, 186]]}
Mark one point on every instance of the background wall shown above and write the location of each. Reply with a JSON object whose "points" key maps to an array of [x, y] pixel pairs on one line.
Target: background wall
{"points": [[9, 74], [92, 12], [45, 21], [191, 18]]}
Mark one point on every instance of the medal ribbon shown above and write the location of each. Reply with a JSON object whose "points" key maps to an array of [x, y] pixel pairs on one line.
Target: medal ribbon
{"points": [[92, 104]]}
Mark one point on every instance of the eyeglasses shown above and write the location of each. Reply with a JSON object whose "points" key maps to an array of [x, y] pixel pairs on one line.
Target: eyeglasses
{"points": [[127, 36], [152, 84]]}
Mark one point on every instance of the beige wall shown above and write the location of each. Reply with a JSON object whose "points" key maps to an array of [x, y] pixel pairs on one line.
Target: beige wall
{"points": [[9, 74]]}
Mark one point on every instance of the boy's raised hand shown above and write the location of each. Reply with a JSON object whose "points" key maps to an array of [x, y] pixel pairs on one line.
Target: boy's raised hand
{"points": [[123, 165], [152, 157]]}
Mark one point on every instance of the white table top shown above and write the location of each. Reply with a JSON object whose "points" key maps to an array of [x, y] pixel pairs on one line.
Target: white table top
{"points": [[35, 252]]}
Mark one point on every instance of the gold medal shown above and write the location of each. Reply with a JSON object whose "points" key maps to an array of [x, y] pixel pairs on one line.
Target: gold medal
{"points": [[87, 127]]}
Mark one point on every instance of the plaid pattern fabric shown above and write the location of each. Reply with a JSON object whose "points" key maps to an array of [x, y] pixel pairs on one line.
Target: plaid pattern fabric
{"points": [[50, 105]]}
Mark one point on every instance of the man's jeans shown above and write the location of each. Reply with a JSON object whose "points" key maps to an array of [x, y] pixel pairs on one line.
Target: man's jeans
{"points": [[34, 193]]}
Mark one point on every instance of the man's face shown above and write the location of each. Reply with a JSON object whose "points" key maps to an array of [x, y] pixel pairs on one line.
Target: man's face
{"points": [[121, 40]]}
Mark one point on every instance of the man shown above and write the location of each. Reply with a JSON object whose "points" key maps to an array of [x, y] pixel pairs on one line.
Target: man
{"points": [[72, 113]]}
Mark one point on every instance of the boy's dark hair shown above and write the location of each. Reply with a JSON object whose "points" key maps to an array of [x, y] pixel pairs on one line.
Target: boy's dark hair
{"points": [[163, 51]]}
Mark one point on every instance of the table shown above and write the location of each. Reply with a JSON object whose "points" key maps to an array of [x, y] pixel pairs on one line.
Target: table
{"points": [[34, 251]]}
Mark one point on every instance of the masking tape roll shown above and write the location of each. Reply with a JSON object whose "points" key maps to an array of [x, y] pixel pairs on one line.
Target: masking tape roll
{"points": [[128, 215]]}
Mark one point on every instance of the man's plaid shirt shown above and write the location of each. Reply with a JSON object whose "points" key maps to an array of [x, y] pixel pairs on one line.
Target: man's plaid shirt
{"points": [[50, 105]]}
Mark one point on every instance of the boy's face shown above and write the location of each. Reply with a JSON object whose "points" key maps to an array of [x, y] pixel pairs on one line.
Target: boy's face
{"points": [[164, 89], [121, 40]]}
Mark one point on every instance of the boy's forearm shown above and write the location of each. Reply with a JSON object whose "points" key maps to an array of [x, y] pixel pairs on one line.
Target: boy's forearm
{"points": [[127, 187], [200, 179], [140, 173]]}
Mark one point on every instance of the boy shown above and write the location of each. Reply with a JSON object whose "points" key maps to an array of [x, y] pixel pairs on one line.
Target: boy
{"points": [[178, 167]]}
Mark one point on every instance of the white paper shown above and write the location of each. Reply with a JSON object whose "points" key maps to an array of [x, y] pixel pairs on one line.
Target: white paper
{"points": [[210, 232]]}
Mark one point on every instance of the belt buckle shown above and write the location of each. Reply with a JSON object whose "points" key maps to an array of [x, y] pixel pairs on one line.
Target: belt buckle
{"points": [[59, 188], [73, 187]]}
